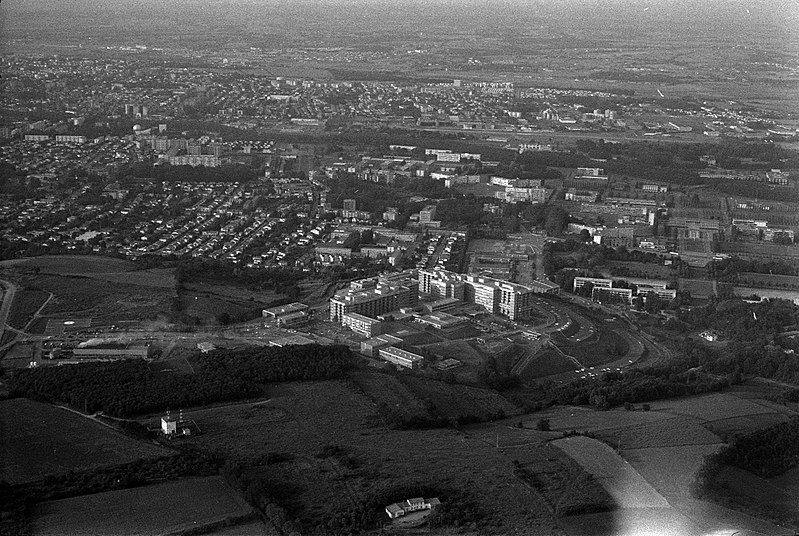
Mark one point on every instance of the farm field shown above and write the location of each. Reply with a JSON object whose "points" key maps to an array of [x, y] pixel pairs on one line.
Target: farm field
{"points": [[157, 509], [39, 439]]}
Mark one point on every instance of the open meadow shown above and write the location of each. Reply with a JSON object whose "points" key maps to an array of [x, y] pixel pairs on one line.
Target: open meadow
{"points": [[165, 508], [39, 439]]}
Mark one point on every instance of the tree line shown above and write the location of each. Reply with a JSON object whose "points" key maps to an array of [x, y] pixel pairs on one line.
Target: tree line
{"points": [[131, 387]]}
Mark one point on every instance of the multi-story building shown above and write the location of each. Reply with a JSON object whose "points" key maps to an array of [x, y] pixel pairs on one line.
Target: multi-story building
{"points": [[427, 214], [376, 296], [66, 138], [371, 347], [694, 228], [500, 297], [584, 196], [194, 160], [597, 282], [366, 326], [603, 294]]}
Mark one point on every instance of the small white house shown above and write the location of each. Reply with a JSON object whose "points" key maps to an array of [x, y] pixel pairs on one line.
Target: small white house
{"points": [[169, 425]]}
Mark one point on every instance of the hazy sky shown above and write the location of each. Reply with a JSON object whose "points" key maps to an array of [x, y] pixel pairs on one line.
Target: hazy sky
{"points": [[720, 18]]}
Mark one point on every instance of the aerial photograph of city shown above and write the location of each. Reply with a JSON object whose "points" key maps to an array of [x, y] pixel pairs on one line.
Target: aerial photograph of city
{"points": [[412, 267]]}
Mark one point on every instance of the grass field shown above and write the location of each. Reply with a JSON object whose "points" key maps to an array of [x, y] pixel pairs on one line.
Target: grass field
{"points": [[118, 301], [158, 509], [39, 439], [627, 487], [453, 400], [545, 363], [18, 356], [25, 304], [207, 301], [671, 432], [567, 488], [610, 346], [70, 264]]}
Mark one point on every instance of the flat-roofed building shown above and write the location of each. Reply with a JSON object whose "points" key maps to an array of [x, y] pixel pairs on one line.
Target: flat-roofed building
{"points": [[580, 282], [496, 296], [377, 295], [371, 347], [291, 340], [300, 318], [606, 294], [282, 310], [440, 320], [366, 326], [113, 351], [401, 357], [444, 304], [694, 228]]}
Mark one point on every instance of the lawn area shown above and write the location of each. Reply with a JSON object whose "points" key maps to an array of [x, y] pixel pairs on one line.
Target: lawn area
{"points": [[164, 508], [39, 439]]}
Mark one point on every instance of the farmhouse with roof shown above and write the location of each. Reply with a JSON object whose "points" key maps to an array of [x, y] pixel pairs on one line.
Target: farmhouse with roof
{"points": [[396, 510]]}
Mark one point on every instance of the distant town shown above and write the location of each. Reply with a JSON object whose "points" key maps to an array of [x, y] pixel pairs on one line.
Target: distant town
{"points": [[359, 275]]}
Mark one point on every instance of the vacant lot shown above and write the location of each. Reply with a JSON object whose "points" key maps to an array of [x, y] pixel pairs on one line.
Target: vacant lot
{"points": [[158, 509], [39, 439]]}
